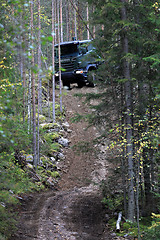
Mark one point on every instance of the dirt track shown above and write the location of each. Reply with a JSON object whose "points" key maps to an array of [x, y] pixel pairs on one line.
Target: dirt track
{"points": [[75, 211]]}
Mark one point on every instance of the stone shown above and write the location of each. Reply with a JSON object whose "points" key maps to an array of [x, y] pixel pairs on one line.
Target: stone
{"points": [[29, 158], [53, 159], [64, 142], [61, 156], [65, 125]]}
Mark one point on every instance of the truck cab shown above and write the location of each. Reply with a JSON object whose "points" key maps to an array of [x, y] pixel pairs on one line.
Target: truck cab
{"points": [[77, 62]]}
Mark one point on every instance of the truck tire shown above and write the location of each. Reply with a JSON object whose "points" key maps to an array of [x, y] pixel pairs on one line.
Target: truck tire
{"points": [[80, 84]]}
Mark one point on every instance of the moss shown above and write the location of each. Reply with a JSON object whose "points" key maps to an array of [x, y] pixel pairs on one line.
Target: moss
{"points": [[55, 147], [42, 118], [55, 174], [126, 226], [47, 126], [50, 137], [112, 222]]}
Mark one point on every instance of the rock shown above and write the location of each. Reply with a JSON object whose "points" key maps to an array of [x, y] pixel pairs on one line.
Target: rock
{"points": [[50, 182], [113, 234], [64, 142], [126, 235], [29, 158], [61, 156], [65, 125], [53, 160], [69, 130]]}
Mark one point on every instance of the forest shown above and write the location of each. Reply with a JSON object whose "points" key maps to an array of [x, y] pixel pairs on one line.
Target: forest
{"points": [[126, 38]]}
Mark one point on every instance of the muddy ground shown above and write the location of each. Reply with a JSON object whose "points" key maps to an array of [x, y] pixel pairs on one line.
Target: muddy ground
{"points": [[75, 210]]}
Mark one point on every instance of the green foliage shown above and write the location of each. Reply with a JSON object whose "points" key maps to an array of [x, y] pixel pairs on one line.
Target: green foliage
{"points": [[153, 232], [50, 137], [14, 181]]}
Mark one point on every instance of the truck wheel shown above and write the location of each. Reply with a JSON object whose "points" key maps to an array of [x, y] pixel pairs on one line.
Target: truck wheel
{"points": [[80, 84]]}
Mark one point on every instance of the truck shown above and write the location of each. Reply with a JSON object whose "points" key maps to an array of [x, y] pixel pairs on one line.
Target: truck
{"points": [[77, 63]]}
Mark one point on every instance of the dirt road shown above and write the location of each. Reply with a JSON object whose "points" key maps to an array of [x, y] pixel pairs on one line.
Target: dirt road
{"points": [[75, 211]]}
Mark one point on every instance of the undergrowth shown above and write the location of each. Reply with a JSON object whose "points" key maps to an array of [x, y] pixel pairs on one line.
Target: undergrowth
{"points": [[18, 178]]}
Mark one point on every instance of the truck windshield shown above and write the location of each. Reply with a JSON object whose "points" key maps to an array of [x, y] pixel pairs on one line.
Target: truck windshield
{"points": [[67, 49]]}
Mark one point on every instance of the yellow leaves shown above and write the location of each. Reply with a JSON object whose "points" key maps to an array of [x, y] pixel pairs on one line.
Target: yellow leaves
{"points": [[6, 84], [155, 215], [156, 6], [2, 65]]}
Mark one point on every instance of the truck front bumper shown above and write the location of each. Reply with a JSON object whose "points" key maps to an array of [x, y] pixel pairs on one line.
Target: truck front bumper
{"points": [[77, 76]]}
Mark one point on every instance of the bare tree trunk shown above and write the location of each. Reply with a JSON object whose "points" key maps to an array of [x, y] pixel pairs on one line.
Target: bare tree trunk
{"points": [[56, 28], [87, 21], [33, 91], [128, 120], [79, 22], [53, 60], [80, 18], [39, 79], [123, 162], [22, 68], [59, 56], [75, 21], [137, 197], [67, 22], [61, 20], [29, 101]]}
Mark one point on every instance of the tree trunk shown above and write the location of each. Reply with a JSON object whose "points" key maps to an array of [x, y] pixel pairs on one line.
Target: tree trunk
{"points": [[80, 35], [67, 22], [87, 21], [61, 20], [128, 120], [39, 79], [53, 61], [33, 91], [59, 56], [123, 162], [75, 21]]}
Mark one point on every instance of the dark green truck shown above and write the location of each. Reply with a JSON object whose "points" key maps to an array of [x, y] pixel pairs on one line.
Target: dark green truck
{"points": [[77, 63]]}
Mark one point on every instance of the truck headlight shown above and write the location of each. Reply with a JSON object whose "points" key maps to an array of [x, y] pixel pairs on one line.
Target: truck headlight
{"points": [[79, 71]]}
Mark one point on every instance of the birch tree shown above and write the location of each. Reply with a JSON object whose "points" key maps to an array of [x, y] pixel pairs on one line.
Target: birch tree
{"points": [[61, 20], [33, 88], [53, 59], [59, 55], [39, 79]]}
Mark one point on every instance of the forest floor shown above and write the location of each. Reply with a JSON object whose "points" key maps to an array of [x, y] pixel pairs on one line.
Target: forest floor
{"points": [[75, 210]]}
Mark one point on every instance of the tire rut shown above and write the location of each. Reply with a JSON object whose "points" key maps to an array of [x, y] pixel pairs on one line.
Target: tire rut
{"points": [[75, 211]]}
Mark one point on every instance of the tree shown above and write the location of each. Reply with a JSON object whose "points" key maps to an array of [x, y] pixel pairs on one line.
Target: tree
{"points": [[39, 79], [129, 35], [53, 59], [33, 90], [59, 56], [128, 117]]}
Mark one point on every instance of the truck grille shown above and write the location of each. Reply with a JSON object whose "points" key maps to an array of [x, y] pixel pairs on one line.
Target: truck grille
{"points": [[68, 65]]}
